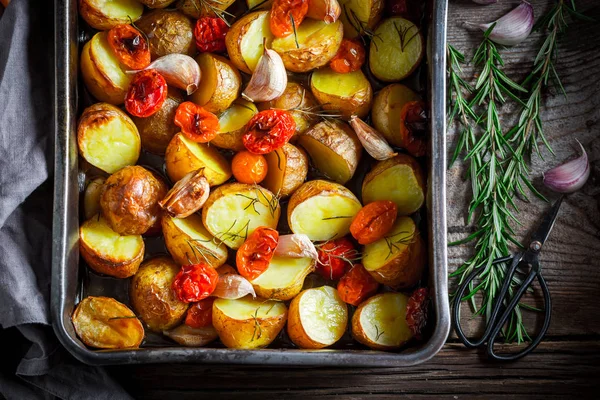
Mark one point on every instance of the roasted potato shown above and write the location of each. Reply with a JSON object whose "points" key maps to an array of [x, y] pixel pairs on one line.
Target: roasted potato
{"points": [[284, 278], [189, 242], [385, 113], [233, 211], [107, 252], [168, 32], [192, 337], [152, 297], [101, 71], [248, 323], [324, 10], [203, 8], [157, 130], [399, 179], [232, 125], [103, 15], [184, 156], [318, 42], [322, 210], [398, 259], [129, 200], [91, 197], [287, 170], [334, 149], [396, 49], [104, 323], [259, 4], [299, 101], [347, 94], [380, 322], [156, 3], [246, 38], [360, 15], [317, 318], [220, 85]]}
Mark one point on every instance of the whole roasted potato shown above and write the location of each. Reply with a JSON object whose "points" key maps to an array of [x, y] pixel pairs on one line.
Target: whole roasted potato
{"points": [[168, 32], [152, 297], [156, 3], [103, 15], [299, 101], [129, 200]]}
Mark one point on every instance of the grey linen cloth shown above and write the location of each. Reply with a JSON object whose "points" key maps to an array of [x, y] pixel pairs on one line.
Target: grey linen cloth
{"points": [[33, 365]]}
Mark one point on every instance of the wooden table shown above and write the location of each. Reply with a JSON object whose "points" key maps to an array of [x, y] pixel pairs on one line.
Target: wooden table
{"points": [[566, 364]]}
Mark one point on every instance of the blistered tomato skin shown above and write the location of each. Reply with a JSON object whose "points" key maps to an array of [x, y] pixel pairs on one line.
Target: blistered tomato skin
{"points": [[357, 285], [413, 128], [248, 167], [282, 13], [210, 34], [147, 93], [416, 311], [268, 130], [335, 258], [196, 123], [349, 58], [130, 46], [373, 221], [200, 314], [255, 254], [195, 282]]}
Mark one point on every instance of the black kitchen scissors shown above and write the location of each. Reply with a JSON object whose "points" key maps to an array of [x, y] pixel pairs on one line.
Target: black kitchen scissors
{"points": [[528, 258]]}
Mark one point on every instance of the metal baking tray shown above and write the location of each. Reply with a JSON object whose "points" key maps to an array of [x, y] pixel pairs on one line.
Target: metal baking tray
{"points": [[67, 275]]}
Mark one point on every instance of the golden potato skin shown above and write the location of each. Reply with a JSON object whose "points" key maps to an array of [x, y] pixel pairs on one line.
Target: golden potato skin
{"points": [[168, 32], [292, 163], [358, 104], [91, 11], [293, 98], [104, 323], [385, 112], [233, 40], [224, 83], [152, 297], [296, 330], [129, 200], [196, 8]]}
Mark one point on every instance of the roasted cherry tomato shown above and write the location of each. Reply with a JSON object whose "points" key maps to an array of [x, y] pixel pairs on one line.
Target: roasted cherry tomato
{"points": [[373, 221], [195, 282], [268, 130], [210, 34], [335, 258], [413, 128], [416, 311], [248, 167], [200, 314], [350, 57], [130, 46], [196, 123], [409, 9], [357, 285], [147, 93], [255, 254], [282, 13]]}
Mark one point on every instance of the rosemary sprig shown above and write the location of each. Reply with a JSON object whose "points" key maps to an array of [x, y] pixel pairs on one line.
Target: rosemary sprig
{"points": [[377, 333], [208, 5], [403, 33], [295, 33], [393, 243], [360, 27]]}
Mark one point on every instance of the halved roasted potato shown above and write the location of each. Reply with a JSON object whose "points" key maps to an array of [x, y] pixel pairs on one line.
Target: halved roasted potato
{"points": [[203, 8], [152, 297], [317, 318], [347, 94], [233, 211], [398, 259], [104, 323], [324, 10], [246, 38], [396, 49], [184, 156], [192, 337], [248, 323], [103, 15], [334, 149], [318, 42], [91, 197], [287, 170], [189, 242], [232, 125], [299, 101], [107, 252], [101, 71], [168, 32], [322, 210], [399, 179], [156, 3], [284, 278], [360, 15], [387, 105], [380, 322], [220, 85]]}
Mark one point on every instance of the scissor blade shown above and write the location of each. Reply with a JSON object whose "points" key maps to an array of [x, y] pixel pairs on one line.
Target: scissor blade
{"points": [[547, 223]]}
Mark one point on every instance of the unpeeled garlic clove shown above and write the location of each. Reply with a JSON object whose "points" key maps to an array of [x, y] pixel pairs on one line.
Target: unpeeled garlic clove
{"points": [[233, 286], [297, 245], [187, 196], [570, 176], [512, 28], [269, 79], [373, 141], [178, 70], [324, 10]]}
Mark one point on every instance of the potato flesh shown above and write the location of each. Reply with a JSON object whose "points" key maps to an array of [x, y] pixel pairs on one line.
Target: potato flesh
{"points": [[323, 315], [249, 308], [360, 8], [200, 239], [120, 8], [377, 254], [209, 79], [237, 116], [208, 156], [386, 110], [383, 320], [91, 198], [109, 244], [107, 62], [344, 85], [283, 272], [308, 33], [252, 42], [326, 160], [398, 184], [318, 216]]}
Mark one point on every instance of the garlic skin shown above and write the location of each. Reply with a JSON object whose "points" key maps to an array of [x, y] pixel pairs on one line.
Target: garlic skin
{"points": [[187, 196], [570, 176], [233, 286], [485, 2], [373, 141], [297, 245], [512, 28], [269, 79], [178, 70]]}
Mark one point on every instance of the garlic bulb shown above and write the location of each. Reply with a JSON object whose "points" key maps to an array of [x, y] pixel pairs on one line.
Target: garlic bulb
{"points": [[233, 286], [178, 70], [297, 245], [570, 176], [269, 79], [373, 141], [512, 28]]}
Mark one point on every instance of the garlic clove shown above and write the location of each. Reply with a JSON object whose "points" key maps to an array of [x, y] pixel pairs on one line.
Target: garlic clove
{"points": [[269, 79], [373, 141], [512, 28], [233, 286], [570, 176], [297, 245], [324, 10], [178, 70], [187, 196]]}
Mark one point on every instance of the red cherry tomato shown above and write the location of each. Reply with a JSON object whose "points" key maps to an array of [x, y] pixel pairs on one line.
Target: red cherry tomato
{"points": [[350, 57], [335, 258], [130, 46], [210, 34], [268, 130], [373, 221], [282, 13], [249, 167], [200, 314], [147, 93], [409, 9], [357, 285], [195, 282], [416, 311], [255, 254], [413, 128], [196, 123]]}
